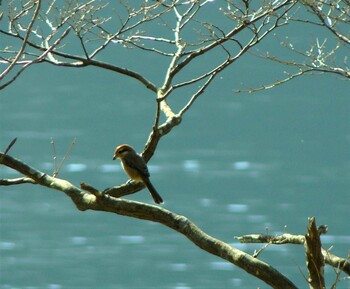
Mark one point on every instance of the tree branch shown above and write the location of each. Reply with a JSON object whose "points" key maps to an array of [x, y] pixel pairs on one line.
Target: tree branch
{"points": [[326, 19], [314, 257], [16, 181], [24, 42], [40, 58], [101, 202], [330, 259]]}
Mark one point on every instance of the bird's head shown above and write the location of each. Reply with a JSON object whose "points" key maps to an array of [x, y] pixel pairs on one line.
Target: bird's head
{"points": [[122, 150]]}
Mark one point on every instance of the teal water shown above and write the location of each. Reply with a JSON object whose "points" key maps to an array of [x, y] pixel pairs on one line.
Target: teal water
{"points": [[238, 164]]}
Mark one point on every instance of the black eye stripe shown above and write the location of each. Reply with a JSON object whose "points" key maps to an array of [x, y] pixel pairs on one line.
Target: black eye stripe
{"points": [[122, 150]]}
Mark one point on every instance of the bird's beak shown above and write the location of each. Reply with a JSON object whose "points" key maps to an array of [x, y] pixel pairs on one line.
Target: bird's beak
{"points": [[114, 157]]}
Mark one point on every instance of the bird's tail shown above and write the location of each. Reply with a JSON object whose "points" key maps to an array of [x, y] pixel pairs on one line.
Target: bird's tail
{"points": [[156, 197]]}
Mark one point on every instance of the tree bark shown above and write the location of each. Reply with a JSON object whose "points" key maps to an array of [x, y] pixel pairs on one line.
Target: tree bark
{"points": [[314, 257]]}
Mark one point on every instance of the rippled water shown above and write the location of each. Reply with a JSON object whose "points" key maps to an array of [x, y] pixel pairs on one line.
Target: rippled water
{"points": [[47, 243], [236, 165]]}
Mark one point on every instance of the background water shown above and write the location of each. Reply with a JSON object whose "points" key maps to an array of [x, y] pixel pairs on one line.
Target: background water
{"points": [[238, 164]]}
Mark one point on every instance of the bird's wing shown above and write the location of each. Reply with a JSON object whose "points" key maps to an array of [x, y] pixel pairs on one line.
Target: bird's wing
{"points": [[139, 165]]}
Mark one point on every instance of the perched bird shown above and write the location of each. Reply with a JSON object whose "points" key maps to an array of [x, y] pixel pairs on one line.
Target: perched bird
{"points": [[135, 167]]}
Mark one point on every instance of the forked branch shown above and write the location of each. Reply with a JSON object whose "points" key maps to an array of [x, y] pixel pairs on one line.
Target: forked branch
{"points": [[336, 262]]}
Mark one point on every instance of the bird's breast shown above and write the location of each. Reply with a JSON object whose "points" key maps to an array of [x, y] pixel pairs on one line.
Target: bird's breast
{"points": [[132, 173]]}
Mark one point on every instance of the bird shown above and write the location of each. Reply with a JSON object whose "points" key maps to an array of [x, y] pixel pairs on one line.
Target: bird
{"points": [[136, 168]]}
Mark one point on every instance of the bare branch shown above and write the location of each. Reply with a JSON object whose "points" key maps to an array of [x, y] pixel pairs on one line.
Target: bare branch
{"points": [[24, 43], [17, 181], [94, 201], [330, 259], [56, 169], [10, 145], [198, 93], [277, 240], [337, 12], [314, 257], [336, 262], [275, 83], [39, 59]]}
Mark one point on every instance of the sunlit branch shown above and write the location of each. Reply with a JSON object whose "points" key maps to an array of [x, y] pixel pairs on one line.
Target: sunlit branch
{"points": [[86, 200], [133, 14], [16, 181], [316, 55], [152, 38], [190, 14], [117, 38], [180, 48], [24, 43], [215, 70], [37, 60], [326, 19], [81, 62], [257, 37], [198, 93], [274, 84], [229, 35], [152, 49], [332, 260]]}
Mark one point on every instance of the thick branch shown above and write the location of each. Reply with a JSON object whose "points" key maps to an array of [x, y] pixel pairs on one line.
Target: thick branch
{"points": [[314, 257], [79, 197], [181, 224]]}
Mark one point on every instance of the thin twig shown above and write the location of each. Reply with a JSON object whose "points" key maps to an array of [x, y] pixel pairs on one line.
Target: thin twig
{"points": [[57, 170], [66, 155], [24, 44], [16, 181], [10, 145], [40, 58], [257, 252], [8, 148], [54, 158]]}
